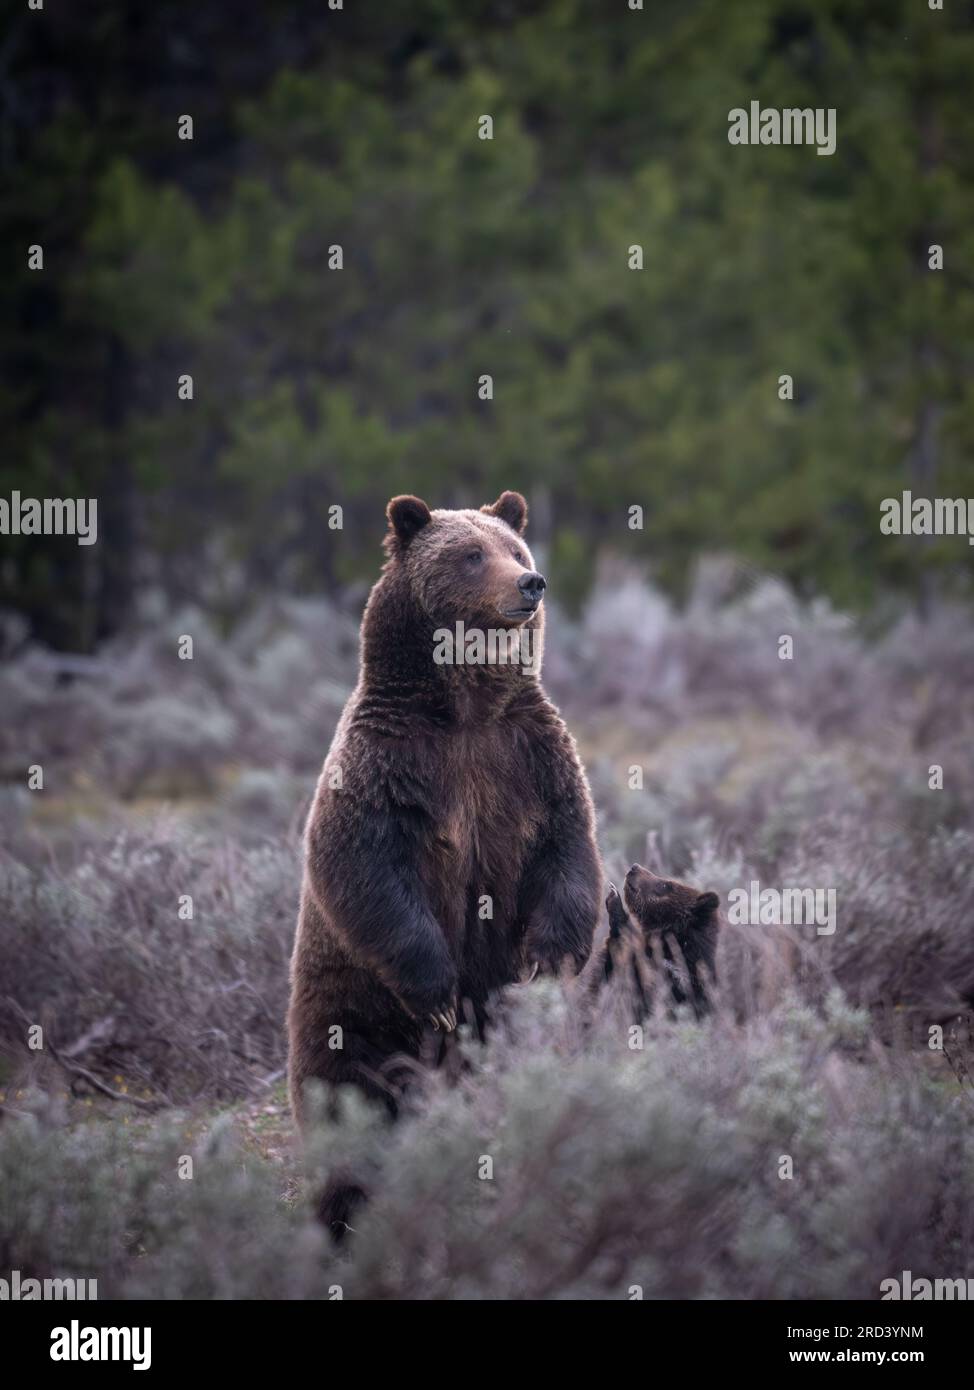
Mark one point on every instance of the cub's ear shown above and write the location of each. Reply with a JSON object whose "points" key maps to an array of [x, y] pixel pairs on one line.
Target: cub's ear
{"points": [[512, 508], [706, 904], [407, 515]]}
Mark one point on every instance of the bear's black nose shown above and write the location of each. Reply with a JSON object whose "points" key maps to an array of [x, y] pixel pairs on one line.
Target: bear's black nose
{"points": [[633, 869], [532, 585]]}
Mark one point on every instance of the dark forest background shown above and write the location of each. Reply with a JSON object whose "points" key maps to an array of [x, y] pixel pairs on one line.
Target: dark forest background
{"points": [[315, 387]]}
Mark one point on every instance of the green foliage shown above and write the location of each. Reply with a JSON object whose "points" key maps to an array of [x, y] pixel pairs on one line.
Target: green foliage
{"points": [[317, 386]]}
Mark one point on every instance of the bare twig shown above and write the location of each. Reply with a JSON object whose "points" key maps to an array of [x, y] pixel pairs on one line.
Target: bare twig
{"points": [[963, 1076], [77, 1070], [274, 1076]]}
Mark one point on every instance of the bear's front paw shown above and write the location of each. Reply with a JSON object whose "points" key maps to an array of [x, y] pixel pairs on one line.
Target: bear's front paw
{"points": [[546, 957], [432, 1005], [445, 1019], [427, 983]]}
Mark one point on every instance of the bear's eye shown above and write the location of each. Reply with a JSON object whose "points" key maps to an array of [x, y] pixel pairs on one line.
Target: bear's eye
{"points": [[663, 887], [475, 556], [519, 557]]}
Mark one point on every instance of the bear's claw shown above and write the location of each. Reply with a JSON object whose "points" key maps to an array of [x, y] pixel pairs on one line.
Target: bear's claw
{"points": [[447, 1020]]}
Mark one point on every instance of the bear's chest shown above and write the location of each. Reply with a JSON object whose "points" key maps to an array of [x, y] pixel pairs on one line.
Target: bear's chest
{"points": [[487, 816]]}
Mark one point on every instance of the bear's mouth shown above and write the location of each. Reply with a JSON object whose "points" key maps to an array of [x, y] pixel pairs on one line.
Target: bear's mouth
{"points": [[524, 611]]}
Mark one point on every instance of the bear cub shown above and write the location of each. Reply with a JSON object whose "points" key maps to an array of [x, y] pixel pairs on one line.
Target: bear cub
{"points": [[661, 927]]}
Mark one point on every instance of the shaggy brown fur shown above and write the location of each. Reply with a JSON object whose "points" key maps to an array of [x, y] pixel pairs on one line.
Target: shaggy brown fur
{"points": [[669, 928], [445, 784]]}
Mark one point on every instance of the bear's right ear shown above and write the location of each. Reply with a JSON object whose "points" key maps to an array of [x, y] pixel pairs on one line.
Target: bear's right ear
{"points": [[407, 515]]}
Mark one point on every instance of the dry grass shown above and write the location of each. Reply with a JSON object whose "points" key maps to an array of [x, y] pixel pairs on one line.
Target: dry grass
{"points": [[612, 1167]]}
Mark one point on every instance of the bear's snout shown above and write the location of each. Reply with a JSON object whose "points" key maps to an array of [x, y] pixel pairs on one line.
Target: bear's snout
{"points": [[532, 585], [644, 891], [529, 587]]}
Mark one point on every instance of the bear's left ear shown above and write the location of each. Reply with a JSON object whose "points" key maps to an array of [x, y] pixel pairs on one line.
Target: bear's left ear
{"points": [[512, 508], [706, 904]]}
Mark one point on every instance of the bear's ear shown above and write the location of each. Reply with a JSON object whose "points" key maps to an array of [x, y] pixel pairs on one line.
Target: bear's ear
{"points": [[512, 508], [407, 515], [706, 904]]}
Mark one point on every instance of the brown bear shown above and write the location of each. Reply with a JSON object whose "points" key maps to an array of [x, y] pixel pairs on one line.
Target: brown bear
{"points": [[670, 928], [450, 847]]}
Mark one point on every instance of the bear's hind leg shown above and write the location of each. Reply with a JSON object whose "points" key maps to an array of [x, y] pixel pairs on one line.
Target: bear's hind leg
{"points": [[338, 1203]]}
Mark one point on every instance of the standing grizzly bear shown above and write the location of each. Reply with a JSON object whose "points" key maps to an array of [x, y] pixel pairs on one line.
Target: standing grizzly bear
{"points": [[673, 929], [451, 841]]}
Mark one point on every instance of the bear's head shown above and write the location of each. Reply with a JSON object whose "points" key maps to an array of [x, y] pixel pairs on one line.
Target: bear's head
{"points": [[467, 566], [666, 905]]}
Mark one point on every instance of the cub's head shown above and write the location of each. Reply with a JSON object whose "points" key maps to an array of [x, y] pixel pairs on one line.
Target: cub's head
{"points": [[467, 566], [665, 904], [674, 927]]}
